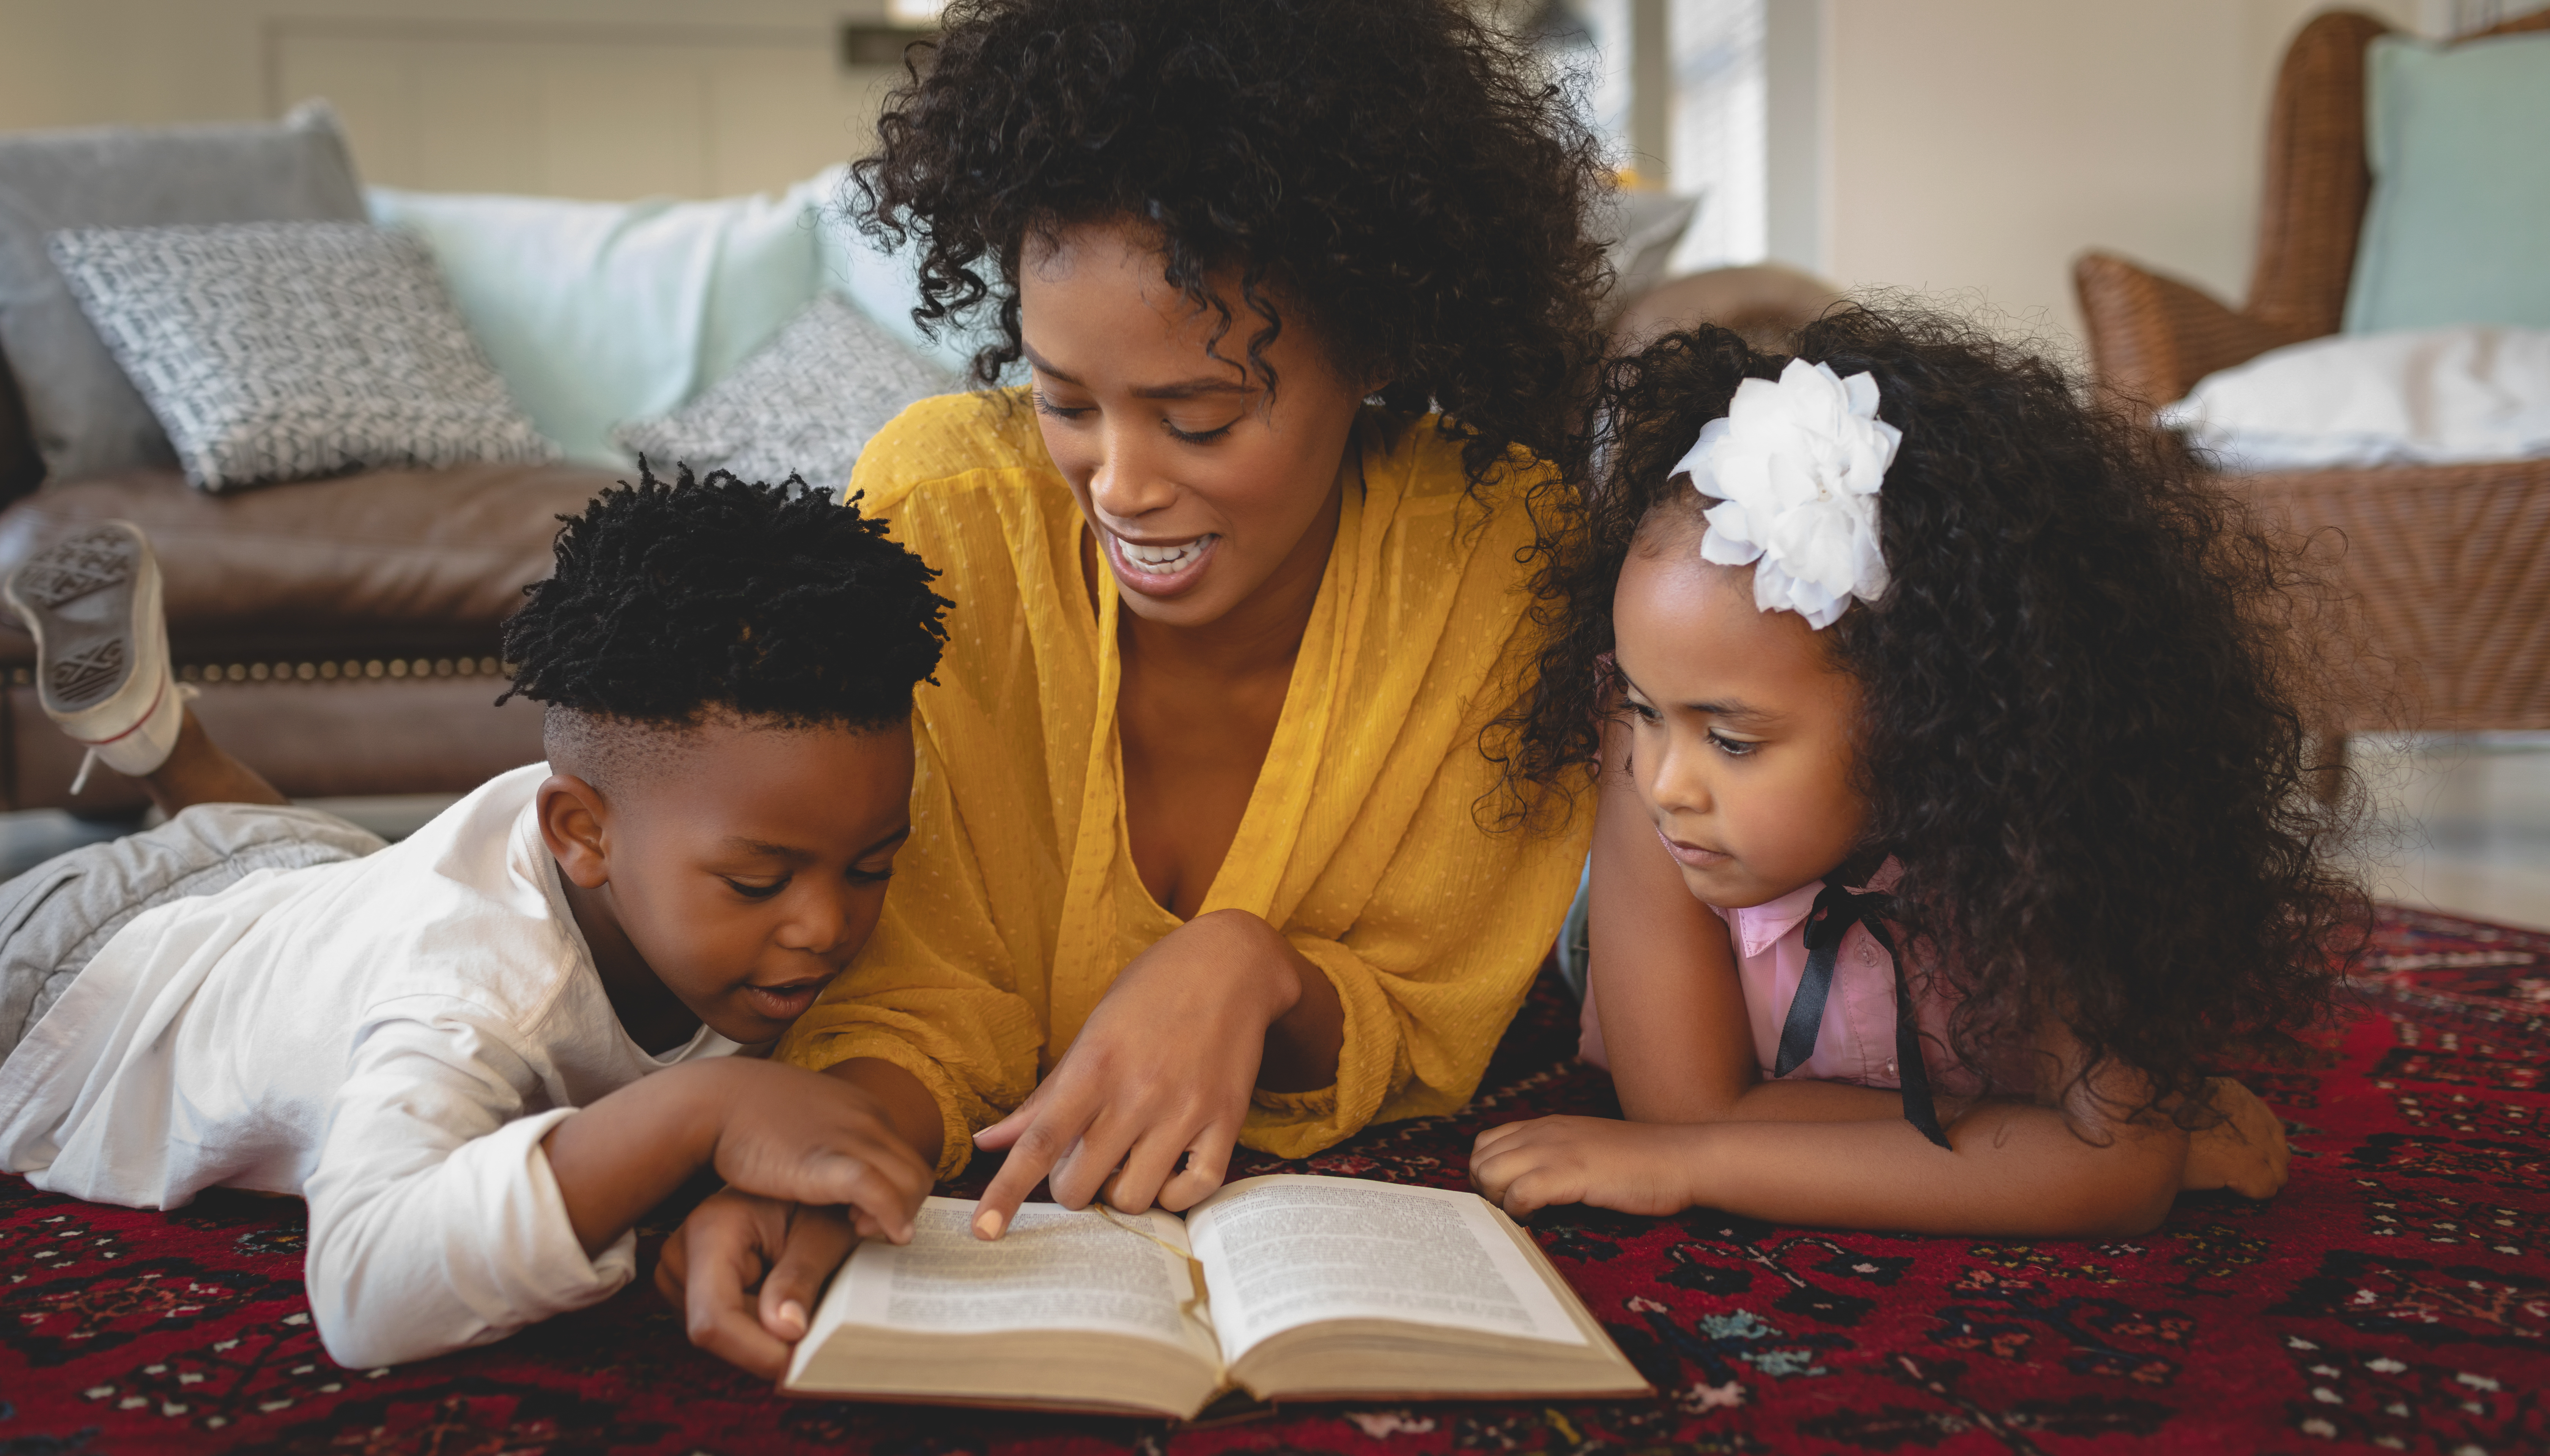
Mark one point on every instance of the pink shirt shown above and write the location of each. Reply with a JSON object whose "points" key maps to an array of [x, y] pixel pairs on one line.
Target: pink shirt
{"points": [[1856, 1043]]}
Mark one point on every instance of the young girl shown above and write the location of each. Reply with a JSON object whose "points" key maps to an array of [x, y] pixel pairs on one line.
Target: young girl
{"points": [[1952, 822]]}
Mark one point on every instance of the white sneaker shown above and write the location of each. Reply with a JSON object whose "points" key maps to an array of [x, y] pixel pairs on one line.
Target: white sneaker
{"points": [[92, 601]]}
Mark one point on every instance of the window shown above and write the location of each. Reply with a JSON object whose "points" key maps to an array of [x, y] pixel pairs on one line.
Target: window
{"points": [[1713, 136]]}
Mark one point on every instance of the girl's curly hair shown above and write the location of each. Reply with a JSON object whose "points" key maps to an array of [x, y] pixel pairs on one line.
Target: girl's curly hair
{"points": [[2085, 732], [1393, 175]]}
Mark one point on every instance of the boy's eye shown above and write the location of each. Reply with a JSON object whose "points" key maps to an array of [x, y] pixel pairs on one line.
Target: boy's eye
{"points": [[1195, 436], [754, 889], [1045, 406], [1733, 747], [871, 874]]}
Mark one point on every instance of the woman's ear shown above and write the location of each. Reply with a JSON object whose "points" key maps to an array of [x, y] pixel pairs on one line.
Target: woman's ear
{"points": [[574, 822]]}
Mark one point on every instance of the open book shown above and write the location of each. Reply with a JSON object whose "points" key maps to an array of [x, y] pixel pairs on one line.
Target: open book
{"points": [[1286, 1287]]}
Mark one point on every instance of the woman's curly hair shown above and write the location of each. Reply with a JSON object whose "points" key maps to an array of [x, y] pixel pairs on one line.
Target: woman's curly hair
{"points": [[1397, 176], [2084, 693]]}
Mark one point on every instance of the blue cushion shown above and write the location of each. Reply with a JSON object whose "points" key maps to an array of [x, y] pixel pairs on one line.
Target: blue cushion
{"points": [[885, 284], [2458, 229], [595, 313]]}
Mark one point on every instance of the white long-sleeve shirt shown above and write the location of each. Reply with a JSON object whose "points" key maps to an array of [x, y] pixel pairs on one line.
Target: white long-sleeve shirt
{"points": [[390, 1037]]}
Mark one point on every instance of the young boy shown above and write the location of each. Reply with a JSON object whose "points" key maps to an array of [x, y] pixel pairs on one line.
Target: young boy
{"points": [[483, 1054]]}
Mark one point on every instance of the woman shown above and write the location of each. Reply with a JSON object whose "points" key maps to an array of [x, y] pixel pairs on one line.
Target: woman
{"points": [[1206, 845]]}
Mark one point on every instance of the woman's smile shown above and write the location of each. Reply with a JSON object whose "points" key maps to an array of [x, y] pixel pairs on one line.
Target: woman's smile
{"points": [[1163, 568]]}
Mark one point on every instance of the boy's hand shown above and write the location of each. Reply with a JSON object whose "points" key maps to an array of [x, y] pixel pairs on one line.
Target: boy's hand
{"points": [[2245, 1153], [1630, 1167], [808, 1138], [778, 1131], [1161, 1071], [733, 1241]]}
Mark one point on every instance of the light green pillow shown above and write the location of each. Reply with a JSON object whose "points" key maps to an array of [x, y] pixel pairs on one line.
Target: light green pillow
{"points": [[595, 313], [2458, 229], [885, 283]]}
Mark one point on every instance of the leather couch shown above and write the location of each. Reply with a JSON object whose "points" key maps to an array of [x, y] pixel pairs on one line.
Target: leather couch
{"points": [[344, 634]]}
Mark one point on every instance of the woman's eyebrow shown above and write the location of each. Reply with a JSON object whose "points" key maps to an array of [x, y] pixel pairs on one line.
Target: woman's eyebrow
{"points": [[1182, 389], [1189, 389], [1041, 367]]}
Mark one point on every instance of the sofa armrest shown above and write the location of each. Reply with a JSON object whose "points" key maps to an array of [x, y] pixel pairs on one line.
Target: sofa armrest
{"points": [[2152, 337], [21, 465]]}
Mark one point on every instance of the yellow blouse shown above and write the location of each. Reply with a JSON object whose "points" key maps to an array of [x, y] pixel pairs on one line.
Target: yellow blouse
{"points": [[1016, 902]]}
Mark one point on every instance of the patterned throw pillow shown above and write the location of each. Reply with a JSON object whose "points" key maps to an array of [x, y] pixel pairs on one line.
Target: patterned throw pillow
{"points": [[803, 403], [276, 352]]}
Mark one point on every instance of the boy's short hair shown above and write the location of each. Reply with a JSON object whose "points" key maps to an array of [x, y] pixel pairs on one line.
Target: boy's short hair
{"points": [[674, 602]]}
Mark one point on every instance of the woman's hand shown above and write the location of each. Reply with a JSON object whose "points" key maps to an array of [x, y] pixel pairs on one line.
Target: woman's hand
{"points": [[2245, 1153], [1162, 1070], [735, 1242], [1630, 1167]]}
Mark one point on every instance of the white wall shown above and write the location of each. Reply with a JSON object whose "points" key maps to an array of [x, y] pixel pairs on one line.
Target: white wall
{"points": [[592, 98], [1974, 147], [1963, 146]]}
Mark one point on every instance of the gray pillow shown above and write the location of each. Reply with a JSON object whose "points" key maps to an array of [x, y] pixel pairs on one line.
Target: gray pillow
{"points": [[803, 403], [88, 420], [292, 351]]}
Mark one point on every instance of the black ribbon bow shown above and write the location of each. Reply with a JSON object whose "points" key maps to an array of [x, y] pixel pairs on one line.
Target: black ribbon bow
{"points": [[1836, 910]]}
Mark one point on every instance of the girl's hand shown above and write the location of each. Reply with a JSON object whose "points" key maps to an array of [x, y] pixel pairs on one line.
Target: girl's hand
{"points": [[1162, 1070], [1630, 1167], [735, 1242], [2245, 1153]]}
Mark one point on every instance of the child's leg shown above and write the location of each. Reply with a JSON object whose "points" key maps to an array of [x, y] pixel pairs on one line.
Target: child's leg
{"points": [[56, 916], [200, 771], [92, 601]]}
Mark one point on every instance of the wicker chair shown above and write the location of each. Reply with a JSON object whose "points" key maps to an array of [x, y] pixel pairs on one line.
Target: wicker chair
{"points": [[2448, 565]]}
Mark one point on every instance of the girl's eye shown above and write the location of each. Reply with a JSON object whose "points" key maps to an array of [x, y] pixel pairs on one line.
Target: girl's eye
{"points": [[861, 874], [1045, 406], [1733, 747], [1647, 714], [1195, 437], [750, 891]]}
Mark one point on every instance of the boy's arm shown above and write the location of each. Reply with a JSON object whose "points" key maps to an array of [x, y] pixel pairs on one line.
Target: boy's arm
{"points": [[435, 1223], [775, 1130], [436, 1220], [735, 1242]]}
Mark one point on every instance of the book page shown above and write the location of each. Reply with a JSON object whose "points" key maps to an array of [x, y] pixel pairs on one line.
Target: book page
{"points": [[1055, 1269], [1284, 1251]]}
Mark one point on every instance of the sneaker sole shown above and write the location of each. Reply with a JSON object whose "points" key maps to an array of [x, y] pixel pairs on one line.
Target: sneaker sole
{"points": [[77, 597]]}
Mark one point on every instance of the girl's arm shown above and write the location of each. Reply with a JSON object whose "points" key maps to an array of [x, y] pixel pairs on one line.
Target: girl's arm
{"points": [[2017, 1170], [1663, 967], [1706, 1128]]}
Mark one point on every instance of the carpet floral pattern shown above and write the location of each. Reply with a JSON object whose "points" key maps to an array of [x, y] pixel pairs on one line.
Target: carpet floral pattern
{"points": [[2395, 1297]]}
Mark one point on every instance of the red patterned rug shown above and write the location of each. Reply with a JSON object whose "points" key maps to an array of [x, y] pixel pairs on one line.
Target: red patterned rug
{"points": [[2395, 1297]]}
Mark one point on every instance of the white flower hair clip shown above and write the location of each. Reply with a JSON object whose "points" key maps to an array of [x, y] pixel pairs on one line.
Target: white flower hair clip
{"points": [[1795, 467]]}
